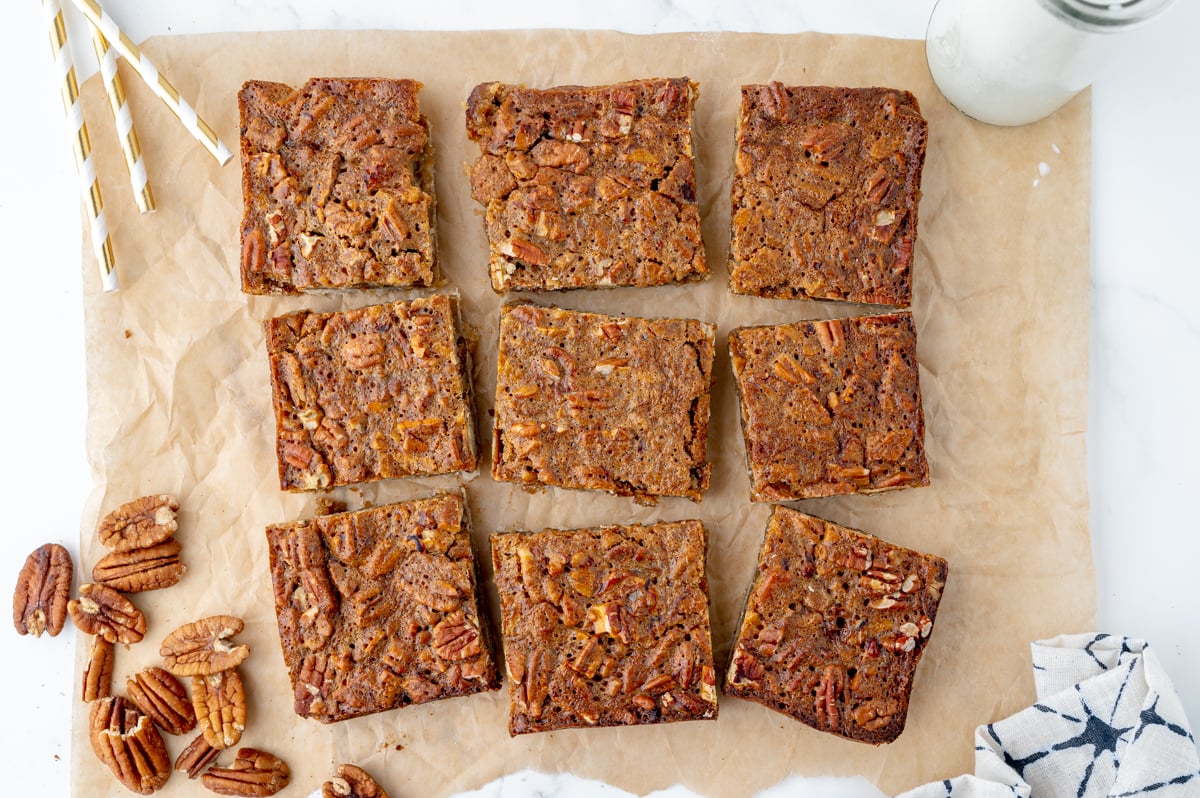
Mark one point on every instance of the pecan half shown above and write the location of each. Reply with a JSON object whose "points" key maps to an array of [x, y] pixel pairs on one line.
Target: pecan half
{"points": [[455, 637], [161, 697], [148, 568], [363, 352], [352, 782], [196, 757], [220, 704], [204, 647], [97, 674], [829, 693], [102, 611], [40, 600], [139, 523], [746, 669], [253, 773], [876, 713], [126, 741]]}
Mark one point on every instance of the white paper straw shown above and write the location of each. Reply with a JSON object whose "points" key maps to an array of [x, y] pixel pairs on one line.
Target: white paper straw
{"points": [[156, 81], [131, 148], [81, 144]]}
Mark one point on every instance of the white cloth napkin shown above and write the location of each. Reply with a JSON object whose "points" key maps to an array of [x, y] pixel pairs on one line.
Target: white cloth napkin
{"points": [[1107, 724]]}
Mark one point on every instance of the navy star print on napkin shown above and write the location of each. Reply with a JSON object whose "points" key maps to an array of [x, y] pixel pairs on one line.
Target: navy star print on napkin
{"points": [[1108, 724]]}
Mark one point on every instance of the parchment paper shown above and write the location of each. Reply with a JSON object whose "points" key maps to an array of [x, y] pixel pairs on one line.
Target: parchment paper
{"points": [[179, 402]]}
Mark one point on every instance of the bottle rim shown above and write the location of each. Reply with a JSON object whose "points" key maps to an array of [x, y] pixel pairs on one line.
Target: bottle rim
{"points": [[1100, 16]]}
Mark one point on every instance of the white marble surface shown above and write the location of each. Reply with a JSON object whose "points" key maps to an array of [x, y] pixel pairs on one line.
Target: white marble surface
{"points": [[1144, 429]]}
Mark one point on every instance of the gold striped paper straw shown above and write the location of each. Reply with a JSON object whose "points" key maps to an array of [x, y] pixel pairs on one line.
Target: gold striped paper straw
{"points": [[158, 83], [81, 144], [131, 148]]}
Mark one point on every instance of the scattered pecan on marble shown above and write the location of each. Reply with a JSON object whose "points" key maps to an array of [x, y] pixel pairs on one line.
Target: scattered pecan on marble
{"points": [[43, 588]]}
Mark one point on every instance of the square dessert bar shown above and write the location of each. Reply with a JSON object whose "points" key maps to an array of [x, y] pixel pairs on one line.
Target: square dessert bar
{"points": [[825, 193], [834, 625], [587, 186], [337, 183], [830, 407], [605, 627], [600, 402], [380, 608], [373, 393]]}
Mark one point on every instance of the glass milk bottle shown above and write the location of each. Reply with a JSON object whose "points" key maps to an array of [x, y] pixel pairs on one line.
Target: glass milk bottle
{"points": [[1010, 62]]}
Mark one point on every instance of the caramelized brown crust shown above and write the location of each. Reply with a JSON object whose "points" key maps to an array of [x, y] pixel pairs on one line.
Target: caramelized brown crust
{"points": [[587, 186], [834, 625], [380, 608], [597, 402], [830, 407], [605, 627], [374, 393], [337, 183], [825, 193]]}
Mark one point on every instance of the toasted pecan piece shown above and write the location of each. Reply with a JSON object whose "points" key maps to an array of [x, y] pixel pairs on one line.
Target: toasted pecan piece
{"points": [[43, 588], [140, 523], [102, 611], [204, 647]]}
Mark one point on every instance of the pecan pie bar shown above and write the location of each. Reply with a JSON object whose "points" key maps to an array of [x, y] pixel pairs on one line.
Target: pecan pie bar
{"points": [[605, 627], [830, 407], [825, 193], [380, 608], [834, 625], [597, 402], [337, 182], [374, 393], [587, 186]]}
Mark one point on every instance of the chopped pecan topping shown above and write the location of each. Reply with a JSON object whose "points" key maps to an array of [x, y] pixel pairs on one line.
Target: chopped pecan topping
{"points": [[379, 608], [454, 637], [43, 589], [830, 407], [125, 740], [571, 402], [746, 669], [352, 782], [140, 523], [343, 162], [219, 701], [587, 186], [204, 647], [814, 166], [403, 365], [876, 713], [363, 351], [832, 646], [829, 695], [637, 652], [522, 249], [828, 142], [253, 773], [148, 568], [102, 611]]}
